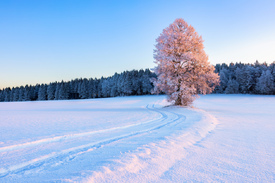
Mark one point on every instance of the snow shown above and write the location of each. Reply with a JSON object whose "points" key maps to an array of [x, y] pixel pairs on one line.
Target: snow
{"points": [[222, 138]]}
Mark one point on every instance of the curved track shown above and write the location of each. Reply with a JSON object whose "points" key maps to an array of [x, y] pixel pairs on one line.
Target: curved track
{"points": [[80, 143]]}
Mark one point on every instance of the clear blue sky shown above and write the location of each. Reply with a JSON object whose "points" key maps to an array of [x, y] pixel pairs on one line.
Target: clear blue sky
{"points": [[50, 40]]}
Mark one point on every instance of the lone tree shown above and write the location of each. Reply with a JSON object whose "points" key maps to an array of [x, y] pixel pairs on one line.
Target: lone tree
{"points": [[183, 69]]}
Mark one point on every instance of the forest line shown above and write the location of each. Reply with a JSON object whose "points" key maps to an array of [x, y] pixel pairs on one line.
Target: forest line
{"points": [[235, 78]]}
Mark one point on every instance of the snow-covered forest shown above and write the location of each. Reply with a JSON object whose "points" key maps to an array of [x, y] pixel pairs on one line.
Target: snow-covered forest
{"points": [[124, 84], [234, 78], [246, 78]]}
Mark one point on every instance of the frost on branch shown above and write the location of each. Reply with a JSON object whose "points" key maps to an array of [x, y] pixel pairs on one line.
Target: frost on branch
{"points": [[183, 69]]}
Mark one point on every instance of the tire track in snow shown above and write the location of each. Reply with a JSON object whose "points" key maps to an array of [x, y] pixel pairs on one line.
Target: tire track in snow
{"points": [[76, 135], [166, 118], [151, 162]]}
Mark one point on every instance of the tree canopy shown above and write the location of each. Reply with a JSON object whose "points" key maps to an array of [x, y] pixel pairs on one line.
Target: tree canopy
{"points": [[183, 69]]}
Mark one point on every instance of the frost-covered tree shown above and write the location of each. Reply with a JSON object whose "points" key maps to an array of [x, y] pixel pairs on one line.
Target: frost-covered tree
{"points": [[51, 89], [63, 91], [114, 87], [21, 93], [42, 92], [183, 69], [57, 92], [2, 96], [99, 87], [95, 88], [91, 89], [223, 80], [16, 94], [84, 92], [232, 87], [27, 93], [266, 85], [146, 83], [7, 93]]}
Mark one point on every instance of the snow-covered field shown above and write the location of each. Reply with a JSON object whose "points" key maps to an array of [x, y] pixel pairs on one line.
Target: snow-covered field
{"points": [[223, 138]]}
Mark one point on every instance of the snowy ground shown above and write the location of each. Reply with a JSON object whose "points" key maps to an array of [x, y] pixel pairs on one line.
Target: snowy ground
{"points": [[224, 138]]}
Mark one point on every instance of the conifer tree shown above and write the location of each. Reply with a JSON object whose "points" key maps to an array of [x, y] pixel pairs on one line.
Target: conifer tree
{"points": [[21, 93], [27, 93], [265, 84], [42, 92], [51, 91]]}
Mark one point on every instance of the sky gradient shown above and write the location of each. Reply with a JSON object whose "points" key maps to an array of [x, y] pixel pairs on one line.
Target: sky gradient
{"points": [[46, 41]]}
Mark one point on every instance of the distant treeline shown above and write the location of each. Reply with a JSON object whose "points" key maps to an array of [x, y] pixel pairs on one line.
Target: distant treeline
{"points": [[234, 78], [246, 78], [124, 84]]}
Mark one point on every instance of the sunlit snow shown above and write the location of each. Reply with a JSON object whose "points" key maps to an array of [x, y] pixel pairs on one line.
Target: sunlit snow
{"points": [[139, 139]]}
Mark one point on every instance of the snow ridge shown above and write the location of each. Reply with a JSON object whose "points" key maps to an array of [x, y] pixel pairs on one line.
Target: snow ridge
{"points": [[150, 162]]}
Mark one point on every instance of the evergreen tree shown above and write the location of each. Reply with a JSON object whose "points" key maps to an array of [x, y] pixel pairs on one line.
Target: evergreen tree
{"points": [[91, 88], [2, 96], [27, 96], [84, 89], [7, 93], [63, 91], [57, 91], [232, 87], [42, 92], [21, 94], [11, 95], [114, 86], [16, 94], [51, 91], [265, 84]]}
